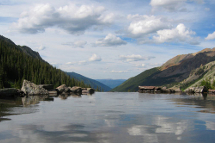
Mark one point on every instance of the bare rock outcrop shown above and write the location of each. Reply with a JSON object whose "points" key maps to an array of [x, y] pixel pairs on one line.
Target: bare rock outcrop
{"points": [[30, 88], [199, 89]]}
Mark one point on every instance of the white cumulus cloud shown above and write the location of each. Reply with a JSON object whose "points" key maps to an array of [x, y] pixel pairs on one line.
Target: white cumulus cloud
{"points": [[144, 24], [95, 57], [71, 18], [131, 58], [210, 36], [178, 34], [110, 40]]}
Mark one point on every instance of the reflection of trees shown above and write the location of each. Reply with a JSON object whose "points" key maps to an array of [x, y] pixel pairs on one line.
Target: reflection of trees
{"points": [[206, 101], [6, 105]]}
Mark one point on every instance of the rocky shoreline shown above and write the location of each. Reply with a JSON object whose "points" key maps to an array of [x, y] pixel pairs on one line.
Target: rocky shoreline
{"points": [[154, 89], [29, 88]]}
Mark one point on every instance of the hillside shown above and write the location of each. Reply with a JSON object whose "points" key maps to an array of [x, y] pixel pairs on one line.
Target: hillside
{"points": [[172, 72], [112, 83], [20, 62], [141, 79], [93, 83], [204, 75]]}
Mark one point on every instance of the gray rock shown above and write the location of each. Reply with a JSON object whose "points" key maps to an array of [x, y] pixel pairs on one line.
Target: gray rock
{"points": [[87, 91], [76, 89], [62, 88], [30, 88], [8, 92]]}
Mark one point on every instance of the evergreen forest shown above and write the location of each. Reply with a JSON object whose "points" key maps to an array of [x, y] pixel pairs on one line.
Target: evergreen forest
{"points": [[17, 65]]}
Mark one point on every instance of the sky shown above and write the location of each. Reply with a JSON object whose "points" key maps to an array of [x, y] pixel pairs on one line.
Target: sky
{"points": [[109, 39]]}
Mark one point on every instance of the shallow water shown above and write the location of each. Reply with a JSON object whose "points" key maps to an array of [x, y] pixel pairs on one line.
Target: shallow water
{"points": [[109, 118]]}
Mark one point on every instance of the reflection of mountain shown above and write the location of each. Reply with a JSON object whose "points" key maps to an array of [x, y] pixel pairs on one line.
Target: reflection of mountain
{"points": [[200, 101]]}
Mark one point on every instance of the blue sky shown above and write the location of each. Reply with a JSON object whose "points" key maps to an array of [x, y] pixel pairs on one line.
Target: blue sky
{"points": [[109, 39]]}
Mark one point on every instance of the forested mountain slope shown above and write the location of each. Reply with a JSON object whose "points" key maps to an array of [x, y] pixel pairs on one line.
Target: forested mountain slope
{"points": [[20, 62]]}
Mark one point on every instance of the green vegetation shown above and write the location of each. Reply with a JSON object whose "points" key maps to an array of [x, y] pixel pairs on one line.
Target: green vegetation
{"points": [[16, 65], [207, 83]]}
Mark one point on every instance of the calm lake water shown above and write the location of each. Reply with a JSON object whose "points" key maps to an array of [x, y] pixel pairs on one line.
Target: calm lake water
{"points": [[109, 118]]}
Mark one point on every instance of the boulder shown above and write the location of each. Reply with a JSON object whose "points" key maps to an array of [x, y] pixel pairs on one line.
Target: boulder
{"points": [[76, 89], [8, 92], [47, 86], [90, 90], [62, 88], [30, 88], [175, 89], [86, 91], [165, 90]]}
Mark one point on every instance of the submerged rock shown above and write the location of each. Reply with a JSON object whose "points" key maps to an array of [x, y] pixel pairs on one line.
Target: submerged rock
{"points": [[30, 88]]}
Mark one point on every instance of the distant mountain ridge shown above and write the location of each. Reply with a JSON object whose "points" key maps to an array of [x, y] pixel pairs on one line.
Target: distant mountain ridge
{"points": [[170, 73], [112, 83], [93, 83]]}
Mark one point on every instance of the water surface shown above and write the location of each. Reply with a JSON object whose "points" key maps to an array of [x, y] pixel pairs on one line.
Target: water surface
{"points": [[109, 118]]}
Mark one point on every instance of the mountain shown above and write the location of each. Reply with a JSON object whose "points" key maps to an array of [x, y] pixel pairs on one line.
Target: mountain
{"points": [[24, 49], [112, 83], [93, 83], [30, 52], [172, 72], [20, 62], [204, 75]]}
